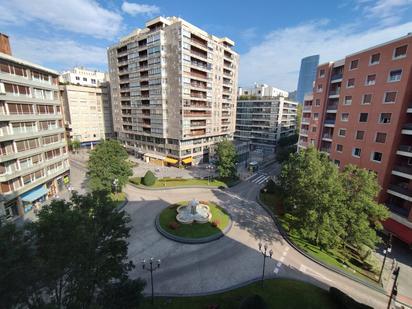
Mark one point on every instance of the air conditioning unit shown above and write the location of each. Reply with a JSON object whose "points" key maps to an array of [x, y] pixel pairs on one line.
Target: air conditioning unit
{"points": [[2, 89]]}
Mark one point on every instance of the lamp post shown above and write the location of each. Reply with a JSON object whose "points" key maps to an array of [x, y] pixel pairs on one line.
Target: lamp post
{"points": [[265, 254], [151, 266], [394, 290], [116, 185], [385, 252]]}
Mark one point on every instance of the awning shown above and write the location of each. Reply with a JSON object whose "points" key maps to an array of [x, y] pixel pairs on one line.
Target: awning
{"points": [[170, 160], [34, 194], [399, 230], [187, 160]]}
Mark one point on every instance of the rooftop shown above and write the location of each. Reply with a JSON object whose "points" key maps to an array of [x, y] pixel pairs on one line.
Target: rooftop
{"points": [[27, 64]]}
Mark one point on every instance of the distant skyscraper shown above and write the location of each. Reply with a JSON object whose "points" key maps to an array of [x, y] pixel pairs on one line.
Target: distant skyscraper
{"points": [[307, 75]]}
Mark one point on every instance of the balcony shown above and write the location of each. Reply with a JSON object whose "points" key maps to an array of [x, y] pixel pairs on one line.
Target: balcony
{"points": [[407, 129], [327, 137], [336, 78], [330, 122], [197, 114], [198, 43], [198, 123], [402, 171], [332, 108], [303, 144], [306, 120], [409, 110], [334, 94], [405, 150], [199, 54], [401, 191], [304, 132], [307, 107], [325, 149], [198, 75], [401, 211]]}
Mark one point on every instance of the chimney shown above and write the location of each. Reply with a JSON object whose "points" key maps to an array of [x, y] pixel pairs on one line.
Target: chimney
{"points": [[4, 44]]}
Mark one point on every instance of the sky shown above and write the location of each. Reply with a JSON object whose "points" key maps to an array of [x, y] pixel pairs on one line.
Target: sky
{"points": [[271, 36]]}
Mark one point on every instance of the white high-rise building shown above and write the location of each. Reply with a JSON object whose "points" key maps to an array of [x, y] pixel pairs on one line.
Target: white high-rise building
{"points": [[83, 77], [173, 91], [262, 90]]}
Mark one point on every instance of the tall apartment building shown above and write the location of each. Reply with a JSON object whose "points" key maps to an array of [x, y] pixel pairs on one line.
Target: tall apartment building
{"points": [[361, 113], [263, 120], [307, 75], [33, 152], [86, 106], [262, 90], [173, 91]]}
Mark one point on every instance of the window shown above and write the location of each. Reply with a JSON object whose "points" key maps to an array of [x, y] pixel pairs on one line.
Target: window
{"points": [[375, 59], [350, 83], [363, 117], [359, 135], [385, 118], [390, 97], [377, 156], [322, 73], [348, 100], [337, 162], [367, 99], [370, 80], [93, 81], [85, 79], [395, 75], [320, 88], [344, 117], [77, 77], [317, 102], [356, 152], [314, 129], [316, 116], [342, 132], [380, 137], [354, 64], [400, 52], [339, 148]]}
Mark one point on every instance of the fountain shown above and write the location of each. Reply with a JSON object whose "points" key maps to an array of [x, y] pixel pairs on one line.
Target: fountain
{"points": [[193, 212]]}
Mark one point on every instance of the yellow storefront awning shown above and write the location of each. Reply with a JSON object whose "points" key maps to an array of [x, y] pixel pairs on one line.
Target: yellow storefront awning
{"points": [[170, 160], [187, 160]]}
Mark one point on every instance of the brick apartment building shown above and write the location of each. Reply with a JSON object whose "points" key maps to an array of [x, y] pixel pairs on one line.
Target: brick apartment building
{"points": [[360, 113]]}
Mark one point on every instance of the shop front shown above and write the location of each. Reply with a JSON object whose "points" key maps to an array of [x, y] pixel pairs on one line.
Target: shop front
{"points": [[34, 198]]}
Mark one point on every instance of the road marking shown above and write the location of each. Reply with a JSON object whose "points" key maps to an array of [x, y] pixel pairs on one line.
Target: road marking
{"points": [[258, 178], [312, 273], [263, 180], [251, 176]]}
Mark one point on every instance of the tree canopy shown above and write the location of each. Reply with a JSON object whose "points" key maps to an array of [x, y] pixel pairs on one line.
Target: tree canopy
{"points": [[332, 208], [227, 157], [108, 162], [77, 250]]}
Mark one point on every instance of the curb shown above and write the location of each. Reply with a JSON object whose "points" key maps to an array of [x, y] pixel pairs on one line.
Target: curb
{"points": [[192, 241], [172, 188], [122, 205], [290, 242]]}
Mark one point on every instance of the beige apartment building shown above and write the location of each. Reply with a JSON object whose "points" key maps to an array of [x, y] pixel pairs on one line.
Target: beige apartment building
{"points": [[86, 106], [33, 153], [173, 90]]}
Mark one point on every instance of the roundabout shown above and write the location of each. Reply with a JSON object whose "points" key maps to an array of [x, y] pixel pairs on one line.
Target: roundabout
{"points": [[193, 222]]}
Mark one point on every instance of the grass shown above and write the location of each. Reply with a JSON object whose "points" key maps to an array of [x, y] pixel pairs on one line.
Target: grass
{"points": [[194, 230], [337, 258], [178, 182], [277, 293]]}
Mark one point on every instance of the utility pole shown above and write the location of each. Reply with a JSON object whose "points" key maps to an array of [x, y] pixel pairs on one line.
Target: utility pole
{"points": [[394, 291]]}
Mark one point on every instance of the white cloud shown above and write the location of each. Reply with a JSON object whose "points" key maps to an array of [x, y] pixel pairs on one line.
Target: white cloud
{"points": [[386, 12], [78, 16], [136, 8], [276, 60], [59, 54]]}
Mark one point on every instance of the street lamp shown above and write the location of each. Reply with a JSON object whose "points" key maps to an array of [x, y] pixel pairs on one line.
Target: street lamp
{"points": [[151, 266], [265, 254], [116, 184], [385, 252], [394, 290]]}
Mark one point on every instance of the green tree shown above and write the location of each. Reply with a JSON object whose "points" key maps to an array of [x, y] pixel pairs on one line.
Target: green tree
{"points": [[363, 214], [108, 162], [226, 164], [123, 294], [149, 179], [283, 153], [314, 194]]}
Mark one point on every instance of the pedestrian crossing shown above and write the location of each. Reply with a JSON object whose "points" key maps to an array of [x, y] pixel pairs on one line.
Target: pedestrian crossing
{"points": [[259, 178]]}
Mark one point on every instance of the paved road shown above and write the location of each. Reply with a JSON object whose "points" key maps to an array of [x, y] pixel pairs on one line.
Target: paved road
{"points": [[191, 269]]}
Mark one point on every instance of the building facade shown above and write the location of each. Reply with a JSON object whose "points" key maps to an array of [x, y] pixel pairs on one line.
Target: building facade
{"points": [[87, 106], [264, 120], [361, 113], [262, 90], [33, 152], [173, 90], [307, 75], [83, 77]]}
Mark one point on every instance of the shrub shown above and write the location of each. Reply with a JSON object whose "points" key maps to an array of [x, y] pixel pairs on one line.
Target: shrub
{"points": [[215, 223], [149, 179], [344, 301], [135, 180], [255, 302], [174, 225]]}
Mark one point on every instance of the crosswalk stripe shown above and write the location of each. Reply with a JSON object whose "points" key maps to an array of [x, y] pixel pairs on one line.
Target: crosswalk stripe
{"points": [[256, 180]]}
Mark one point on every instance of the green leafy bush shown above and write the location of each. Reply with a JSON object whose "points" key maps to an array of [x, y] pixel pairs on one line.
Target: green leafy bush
{"points": [[149, 179], [135, 180]]}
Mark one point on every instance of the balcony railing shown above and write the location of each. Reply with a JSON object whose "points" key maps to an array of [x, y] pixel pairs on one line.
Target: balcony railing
{"points": [[403, 169], [303, 143], [198, 54], [334, 92], [401, 190], [192, 114], [327, 135], [401, 211], [304, 132], [336, 76], [307, 107], [325, 149], [307, 120], [407, 126], [330, 121], [405, 148], [332, 107]]}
